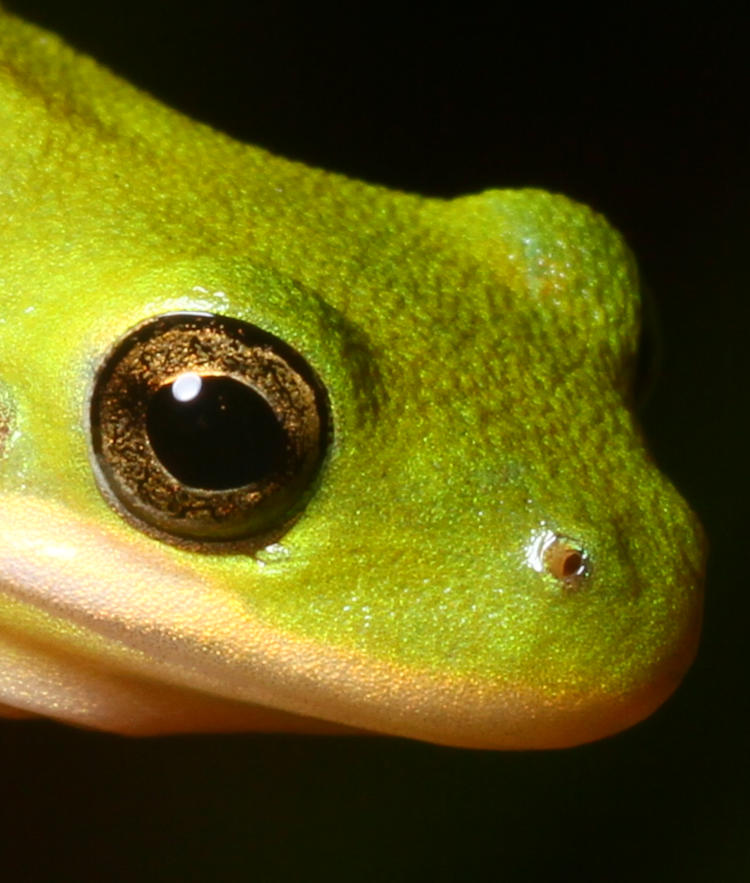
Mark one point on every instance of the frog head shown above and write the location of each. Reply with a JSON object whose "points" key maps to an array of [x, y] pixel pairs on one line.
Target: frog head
{"points": [[446, 525]]}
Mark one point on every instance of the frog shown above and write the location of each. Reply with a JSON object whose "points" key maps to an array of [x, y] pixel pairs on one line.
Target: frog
{"points": [[283, 451]]}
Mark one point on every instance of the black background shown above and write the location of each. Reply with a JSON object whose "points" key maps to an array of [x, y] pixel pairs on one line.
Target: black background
{"points": [[642, 118]]}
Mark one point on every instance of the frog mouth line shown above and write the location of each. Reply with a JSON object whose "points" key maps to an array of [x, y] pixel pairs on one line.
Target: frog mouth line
{"points": [[201, 640]]}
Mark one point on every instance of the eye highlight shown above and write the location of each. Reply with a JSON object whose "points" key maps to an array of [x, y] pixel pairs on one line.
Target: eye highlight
{"points": [[215, 433], [206, 428]]}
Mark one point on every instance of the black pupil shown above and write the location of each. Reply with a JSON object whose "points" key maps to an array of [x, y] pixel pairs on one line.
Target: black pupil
{"points": [[225, 435]]}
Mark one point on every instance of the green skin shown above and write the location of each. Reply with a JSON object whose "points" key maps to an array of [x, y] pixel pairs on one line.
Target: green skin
{"points": [[477, 354]]}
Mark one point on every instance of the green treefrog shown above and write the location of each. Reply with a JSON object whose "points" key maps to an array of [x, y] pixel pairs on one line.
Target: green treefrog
{"points": [[285, 451]]}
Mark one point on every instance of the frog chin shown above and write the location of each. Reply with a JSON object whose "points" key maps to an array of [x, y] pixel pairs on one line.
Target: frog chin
{"points": [[101, 631]]}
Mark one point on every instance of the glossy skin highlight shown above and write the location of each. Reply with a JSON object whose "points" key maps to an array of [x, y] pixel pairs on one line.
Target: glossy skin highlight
{"points": [[478, 356]]}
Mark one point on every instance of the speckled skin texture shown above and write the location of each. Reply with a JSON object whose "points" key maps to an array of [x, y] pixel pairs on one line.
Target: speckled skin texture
{"points": [[478, 356]]}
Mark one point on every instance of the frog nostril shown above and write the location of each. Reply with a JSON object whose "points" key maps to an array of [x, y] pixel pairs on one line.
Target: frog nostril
{"points": [[564, 561], [561, 557]]}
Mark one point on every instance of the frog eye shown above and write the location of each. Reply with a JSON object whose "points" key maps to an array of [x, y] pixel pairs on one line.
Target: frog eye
{"points": [[206, 428]]}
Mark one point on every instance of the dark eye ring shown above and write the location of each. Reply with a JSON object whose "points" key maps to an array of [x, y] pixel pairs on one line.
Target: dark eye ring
{"points": [[206, 428]]}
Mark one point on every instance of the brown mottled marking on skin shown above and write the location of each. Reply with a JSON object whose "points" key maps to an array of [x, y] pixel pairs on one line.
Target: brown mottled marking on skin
{"points": [[5, 422]]}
